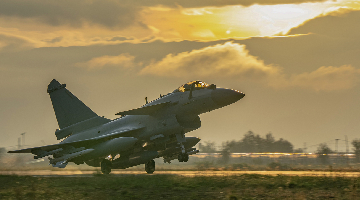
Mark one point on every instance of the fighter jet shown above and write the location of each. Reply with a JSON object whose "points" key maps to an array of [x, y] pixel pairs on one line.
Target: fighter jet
{"points": [[156, 129]]}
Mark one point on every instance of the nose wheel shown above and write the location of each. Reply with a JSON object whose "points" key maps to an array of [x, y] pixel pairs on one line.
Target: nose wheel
{"points": [[106, 166], [150, 167], [183, 157]]}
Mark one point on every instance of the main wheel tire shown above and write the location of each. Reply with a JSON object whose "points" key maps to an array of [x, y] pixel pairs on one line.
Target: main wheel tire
{"points": [[150, 167], [106, 166], [181, 157], [185, 157]]}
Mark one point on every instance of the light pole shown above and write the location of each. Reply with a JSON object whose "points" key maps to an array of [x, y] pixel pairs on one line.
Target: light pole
{"points": [[336, 145], [23, 139]]}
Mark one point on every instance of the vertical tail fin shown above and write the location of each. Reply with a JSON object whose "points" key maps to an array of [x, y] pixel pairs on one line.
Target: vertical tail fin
{"points": [[68, 108]]}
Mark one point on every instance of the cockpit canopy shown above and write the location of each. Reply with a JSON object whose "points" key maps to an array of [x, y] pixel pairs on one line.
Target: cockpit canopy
{"points": [[198, 85]]}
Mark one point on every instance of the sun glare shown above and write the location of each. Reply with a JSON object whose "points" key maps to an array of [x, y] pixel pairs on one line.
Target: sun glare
{"points": [[273, 19], [281, 18]]}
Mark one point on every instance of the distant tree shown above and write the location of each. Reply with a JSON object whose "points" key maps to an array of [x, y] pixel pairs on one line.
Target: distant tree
{"points": [[260, 144], [356, 145], [254, 143], [249, 144], [232, 146], [299, 150], [323, 152], [225, 151], [2, 152], [208, 147], [283, 146], [269, 142]]}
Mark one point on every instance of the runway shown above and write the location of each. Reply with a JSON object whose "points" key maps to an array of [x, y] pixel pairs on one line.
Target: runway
{"points": [[78, 173]]}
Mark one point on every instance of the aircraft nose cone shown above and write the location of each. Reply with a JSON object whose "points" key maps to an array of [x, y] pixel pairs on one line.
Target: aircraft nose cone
{"points": [[223, 97]]}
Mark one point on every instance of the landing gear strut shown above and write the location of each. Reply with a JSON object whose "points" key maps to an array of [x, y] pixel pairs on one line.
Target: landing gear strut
{"points": [[181, 139], [106, 166], [150, 167], [183, 157]]}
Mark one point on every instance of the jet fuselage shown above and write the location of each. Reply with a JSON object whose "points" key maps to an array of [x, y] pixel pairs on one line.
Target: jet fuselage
{"points": [[157, 129]]}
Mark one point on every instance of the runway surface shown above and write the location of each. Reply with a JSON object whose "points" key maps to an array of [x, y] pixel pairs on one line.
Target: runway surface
{"points": [[78, 173]]}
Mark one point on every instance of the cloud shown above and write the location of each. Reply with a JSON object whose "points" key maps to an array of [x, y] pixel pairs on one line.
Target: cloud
{"points": [[334, 41], [55, 40], [204, 34], [10, 43], [122, 60], [87, 22], [232, 60], [222, 60], [221, 3], [328, 78], [118, 38], [118, 14], [343, 23], [108, 13]]}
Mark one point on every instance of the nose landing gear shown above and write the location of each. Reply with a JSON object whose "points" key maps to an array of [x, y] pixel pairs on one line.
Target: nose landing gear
{"points": [[106, 166], [150, 167]]}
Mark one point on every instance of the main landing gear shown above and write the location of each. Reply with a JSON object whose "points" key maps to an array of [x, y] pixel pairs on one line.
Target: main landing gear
{"points": [[183, 157], [106, 166], [150, 167]]}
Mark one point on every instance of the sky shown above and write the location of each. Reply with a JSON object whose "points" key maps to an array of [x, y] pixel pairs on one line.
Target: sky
{"points": [[297, 61]]}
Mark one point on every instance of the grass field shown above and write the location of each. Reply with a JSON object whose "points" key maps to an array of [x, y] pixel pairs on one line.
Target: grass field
{"points": [[248, 186]]}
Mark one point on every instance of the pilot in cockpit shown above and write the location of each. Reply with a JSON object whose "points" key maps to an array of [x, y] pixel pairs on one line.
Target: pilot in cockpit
{"points": [[197, 86]]}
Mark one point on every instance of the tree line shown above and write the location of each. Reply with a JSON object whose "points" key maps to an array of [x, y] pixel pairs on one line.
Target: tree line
{"points": [[252, 143]]}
